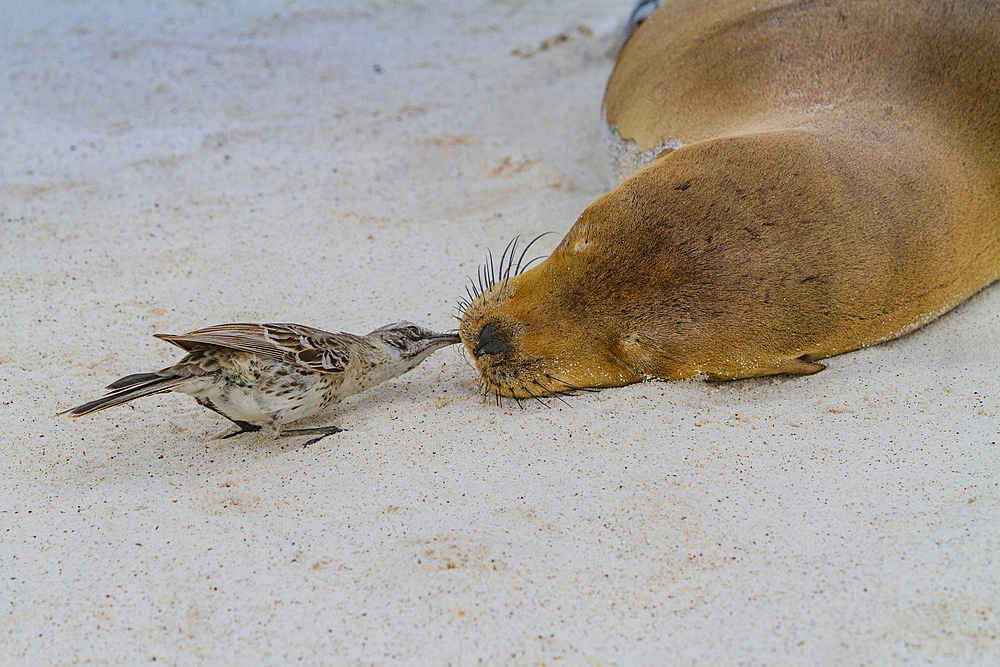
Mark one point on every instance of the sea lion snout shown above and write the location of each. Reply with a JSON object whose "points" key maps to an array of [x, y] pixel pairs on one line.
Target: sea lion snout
{"points": [[492, 340], [495, 344]]}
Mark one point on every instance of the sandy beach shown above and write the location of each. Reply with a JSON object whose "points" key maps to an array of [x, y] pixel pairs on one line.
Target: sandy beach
{"points": [[172, 165]]}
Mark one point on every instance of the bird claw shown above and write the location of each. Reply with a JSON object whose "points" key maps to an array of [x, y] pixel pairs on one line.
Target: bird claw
{"points": [[245, 427], [322, 431]]}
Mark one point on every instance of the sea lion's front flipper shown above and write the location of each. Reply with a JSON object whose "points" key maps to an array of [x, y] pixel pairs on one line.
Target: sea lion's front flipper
{"points": [[794, 366], [798, 366]]}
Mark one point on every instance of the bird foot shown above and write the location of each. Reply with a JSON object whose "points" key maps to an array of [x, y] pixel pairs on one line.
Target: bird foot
{"points": [[245, 427], [322, 431]]}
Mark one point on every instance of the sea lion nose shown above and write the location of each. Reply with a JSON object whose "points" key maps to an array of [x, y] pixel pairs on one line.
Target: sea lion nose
{"points": [[491, 341]]}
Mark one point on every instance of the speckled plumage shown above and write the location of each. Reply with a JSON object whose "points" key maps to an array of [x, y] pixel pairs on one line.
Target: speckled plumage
{"points": [[268, 375]]}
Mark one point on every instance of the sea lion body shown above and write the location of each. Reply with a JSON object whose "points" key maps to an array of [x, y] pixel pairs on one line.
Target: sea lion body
{"points": [[829, 179]]}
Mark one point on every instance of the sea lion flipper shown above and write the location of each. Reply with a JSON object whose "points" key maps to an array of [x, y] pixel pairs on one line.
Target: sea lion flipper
{"points": [[799, 366], [793, 366]]}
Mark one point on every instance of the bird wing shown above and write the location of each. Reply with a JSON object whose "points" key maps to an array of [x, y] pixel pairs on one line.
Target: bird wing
{"points": [[316, 349], [312, 349]]}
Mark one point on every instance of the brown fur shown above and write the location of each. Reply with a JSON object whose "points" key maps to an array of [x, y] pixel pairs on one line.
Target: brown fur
{"points": [[839, 186]]}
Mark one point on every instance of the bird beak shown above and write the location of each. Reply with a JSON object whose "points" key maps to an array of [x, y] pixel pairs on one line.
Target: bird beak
{"points": [[446, 339]]}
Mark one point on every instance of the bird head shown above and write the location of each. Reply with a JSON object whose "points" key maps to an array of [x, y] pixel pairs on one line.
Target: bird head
{"points": [[411, 342]]}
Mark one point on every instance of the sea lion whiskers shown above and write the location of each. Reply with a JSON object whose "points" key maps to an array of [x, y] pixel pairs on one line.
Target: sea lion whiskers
{"points": [[518, 271], [472, 291], [519, 405], [529, 393], [483, 387], [498, 397], [510, 261], [487, 275], [557, 394], [570, 388], [510, 248], [491, 272], [461, 305], [461, 351], [498, 272]]}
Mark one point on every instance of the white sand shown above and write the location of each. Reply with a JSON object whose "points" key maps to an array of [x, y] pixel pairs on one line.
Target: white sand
{"points": [[172, 165]]}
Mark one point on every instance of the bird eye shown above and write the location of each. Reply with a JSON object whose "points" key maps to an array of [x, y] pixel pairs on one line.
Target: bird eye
{"points": [[413, 331]]}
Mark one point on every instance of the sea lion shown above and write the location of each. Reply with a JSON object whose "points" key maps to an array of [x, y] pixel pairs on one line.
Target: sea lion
{"points": [[826, 177]]}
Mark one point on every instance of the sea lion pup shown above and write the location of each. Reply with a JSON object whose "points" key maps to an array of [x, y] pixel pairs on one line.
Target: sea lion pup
{"points": [[826, 177]]}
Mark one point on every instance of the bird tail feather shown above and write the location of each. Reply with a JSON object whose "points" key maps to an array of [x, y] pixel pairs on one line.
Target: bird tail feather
{"points": [[127, 389]]}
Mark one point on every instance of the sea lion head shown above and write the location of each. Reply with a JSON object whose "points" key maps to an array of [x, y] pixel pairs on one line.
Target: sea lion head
{"points": [[575, 320]]}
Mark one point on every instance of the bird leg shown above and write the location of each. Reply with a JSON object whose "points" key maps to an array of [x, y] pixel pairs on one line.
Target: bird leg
{"points": [[273, 427], [322, 431], [245, 427]]}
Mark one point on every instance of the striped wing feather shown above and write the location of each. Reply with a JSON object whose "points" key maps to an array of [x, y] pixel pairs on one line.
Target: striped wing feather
{"points": [[314, 349]]}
